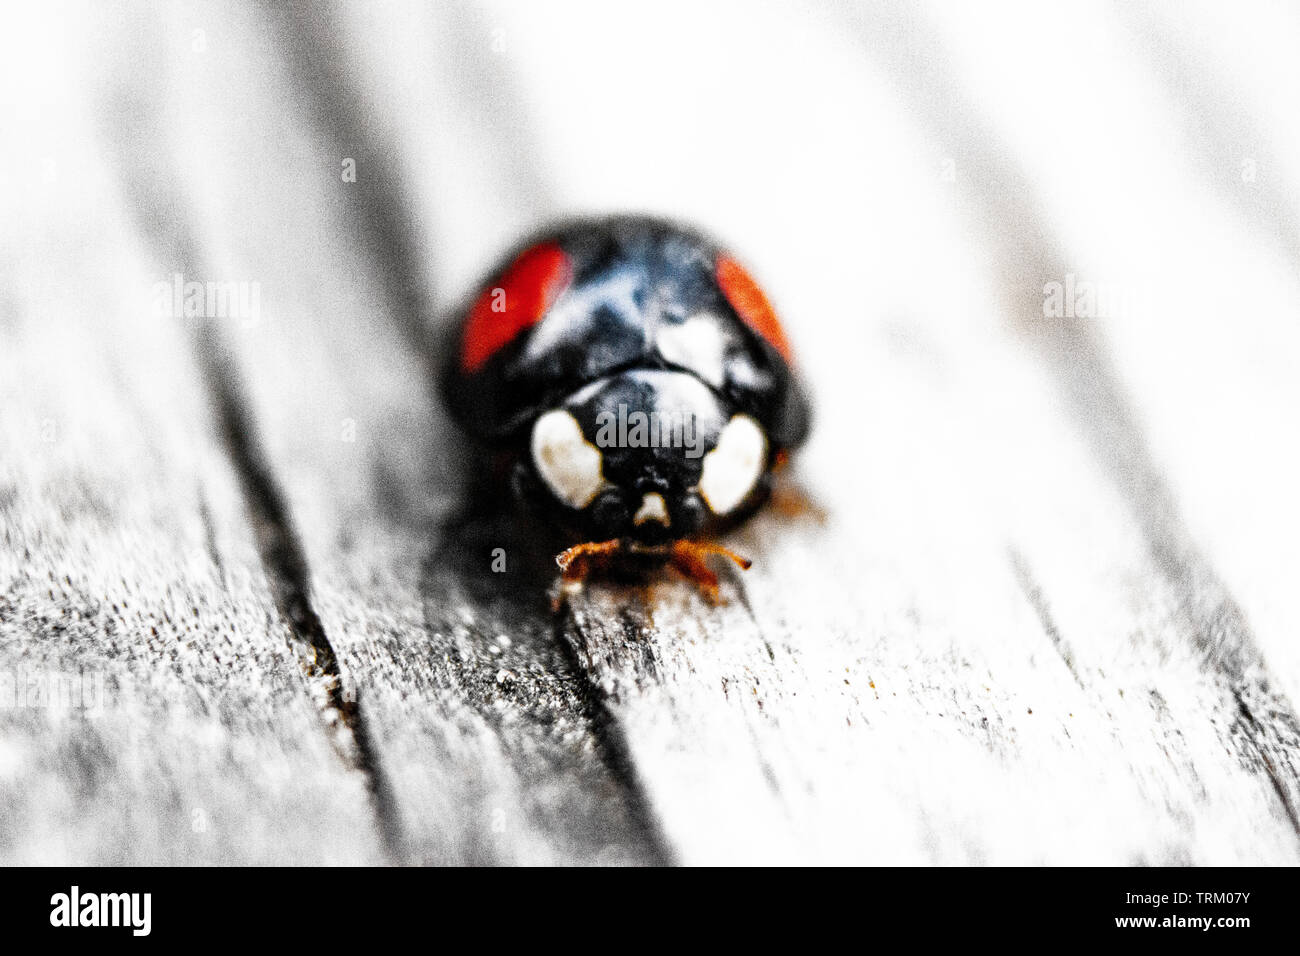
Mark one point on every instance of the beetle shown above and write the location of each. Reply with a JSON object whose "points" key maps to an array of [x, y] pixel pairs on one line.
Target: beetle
{"points": [[634, 386]]}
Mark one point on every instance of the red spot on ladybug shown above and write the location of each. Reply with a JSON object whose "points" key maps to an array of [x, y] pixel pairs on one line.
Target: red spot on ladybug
{"points": [[517, 301], [751, 304]]}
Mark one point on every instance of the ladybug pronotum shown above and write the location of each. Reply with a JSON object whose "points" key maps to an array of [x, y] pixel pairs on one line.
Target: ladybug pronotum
{"points": [[636, 383]]}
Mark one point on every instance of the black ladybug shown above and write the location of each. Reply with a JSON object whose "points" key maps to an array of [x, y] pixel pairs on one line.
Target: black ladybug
{"points": [[636, 384]]}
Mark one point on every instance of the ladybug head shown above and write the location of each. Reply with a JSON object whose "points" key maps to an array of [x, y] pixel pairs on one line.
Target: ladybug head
{"points": [[648, 454]]}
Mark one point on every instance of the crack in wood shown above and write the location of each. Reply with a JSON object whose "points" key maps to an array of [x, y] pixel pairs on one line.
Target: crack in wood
{"points": [[495, 654], [287, 575], [157, 202], [318, 60], [1254, 736], [611, 742], [1034, 594]]}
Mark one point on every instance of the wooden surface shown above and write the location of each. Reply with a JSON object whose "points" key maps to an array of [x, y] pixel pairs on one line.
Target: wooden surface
{"points": [[1037, 606]]}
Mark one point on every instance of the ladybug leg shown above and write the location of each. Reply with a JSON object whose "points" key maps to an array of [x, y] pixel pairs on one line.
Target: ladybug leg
{"points": [[575, 563], [692, 566], [710, 547], [688, 558], [790, 501]]}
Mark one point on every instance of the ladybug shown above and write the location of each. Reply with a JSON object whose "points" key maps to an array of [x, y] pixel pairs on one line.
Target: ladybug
{"points": [[634, 387]]}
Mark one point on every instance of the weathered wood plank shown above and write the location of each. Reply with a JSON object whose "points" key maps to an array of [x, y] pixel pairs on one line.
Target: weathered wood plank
{"points": [[1103, 386], [966, 610], [128, 564], [892, 687], [926, 566], [1182, 373], [485, 739], [1028, 629]]}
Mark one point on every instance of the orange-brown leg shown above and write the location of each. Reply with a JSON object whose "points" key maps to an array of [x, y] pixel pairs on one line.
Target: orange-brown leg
{"points": [[692, 566], [688, 558], [789, 500], [575, 562], [709, 547]]}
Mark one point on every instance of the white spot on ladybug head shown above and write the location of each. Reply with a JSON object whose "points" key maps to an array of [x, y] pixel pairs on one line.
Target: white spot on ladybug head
{"points": [[653, 508], [568, 463], [734, 465], [695, 344]]}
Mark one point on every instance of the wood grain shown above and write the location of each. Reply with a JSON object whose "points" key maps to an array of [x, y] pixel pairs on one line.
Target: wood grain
{"points": [[993, 632], [128, 565], [483, 745]]}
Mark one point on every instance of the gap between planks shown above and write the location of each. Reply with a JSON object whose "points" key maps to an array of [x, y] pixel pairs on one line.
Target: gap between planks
{"points": [[158, 205]]}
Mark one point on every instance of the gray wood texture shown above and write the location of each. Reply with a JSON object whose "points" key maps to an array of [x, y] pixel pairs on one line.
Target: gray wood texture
{"points": [[1000, 614]]}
